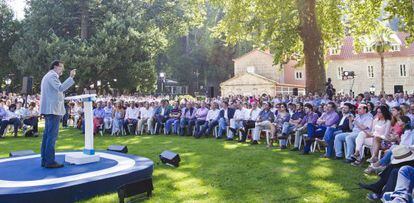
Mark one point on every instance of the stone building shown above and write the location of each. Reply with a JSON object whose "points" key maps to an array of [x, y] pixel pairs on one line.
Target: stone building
{"points": [[398, 63], [255, 74]]}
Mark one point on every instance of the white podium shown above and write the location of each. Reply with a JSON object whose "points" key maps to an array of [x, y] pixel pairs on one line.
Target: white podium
{"points": [[88, 155]]}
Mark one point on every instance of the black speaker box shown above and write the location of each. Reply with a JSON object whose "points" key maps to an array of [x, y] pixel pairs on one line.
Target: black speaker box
{"points": [[169, 157], [27, 86], [118, 148], [211, 92]]}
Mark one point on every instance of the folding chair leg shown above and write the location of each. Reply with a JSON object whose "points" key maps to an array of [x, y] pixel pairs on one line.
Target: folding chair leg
{"points": [[267, 138], [345, 149]]}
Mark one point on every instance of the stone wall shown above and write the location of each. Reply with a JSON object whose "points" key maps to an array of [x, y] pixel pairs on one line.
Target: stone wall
{"points": [[262, 62]]}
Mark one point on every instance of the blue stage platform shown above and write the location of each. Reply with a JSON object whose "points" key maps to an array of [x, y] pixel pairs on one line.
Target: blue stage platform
{"points": [[22, 179]]}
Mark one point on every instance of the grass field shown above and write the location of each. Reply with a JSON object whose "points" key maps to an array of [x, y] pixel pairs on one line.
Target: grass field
{"points": [[219, 171]]}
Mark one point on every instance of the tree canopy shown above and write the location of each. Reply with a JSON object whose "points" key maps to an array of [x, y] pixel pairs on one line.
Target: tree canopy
{"points": [[9, 34], [107, 40]]}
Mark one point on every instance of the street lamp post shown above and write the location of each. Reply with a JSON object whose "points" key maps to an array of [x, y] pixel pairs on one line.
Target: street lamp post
{"points": [[162, 78], [197, 81], [98, 84], [8, 82], [372, 89]]}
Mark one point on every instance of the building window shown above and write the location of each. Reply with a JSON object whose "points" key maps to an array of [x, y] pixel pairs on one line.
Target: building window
{"points": [[395, 47], [298, 75], [403, 70], [370, 71], [368, 49], [340, 71], [334, 51]]}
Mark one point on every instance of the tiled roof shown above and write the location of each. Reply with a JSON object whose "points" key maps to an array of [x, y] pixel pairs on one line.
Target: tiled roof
{"points": [[347, 50]]}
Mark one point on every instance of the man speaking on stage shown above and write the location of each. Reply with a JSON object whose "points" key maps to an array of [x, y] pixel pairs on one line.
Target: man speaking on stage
{"points": [[52, 107]]}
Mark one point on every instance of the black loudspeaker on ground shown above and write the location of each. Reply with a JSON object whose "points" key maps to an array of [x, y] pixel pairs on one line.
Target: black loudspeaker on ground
{"points": [[118, 148], [171, 158]]}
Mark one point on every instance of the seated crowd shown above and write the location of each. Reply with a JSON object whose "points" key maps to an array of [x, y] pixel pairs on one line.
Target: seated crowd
{"points": [[19, 117], [348, 128]]}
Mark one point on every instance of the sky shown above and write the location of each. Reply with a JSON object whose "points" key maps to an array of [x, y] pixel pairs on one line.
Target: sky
{"points": [[18, 7]]}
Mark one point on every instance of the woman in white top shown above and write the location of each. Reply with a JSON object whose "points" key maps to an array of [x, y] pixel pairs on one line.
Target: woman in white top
{"points": [[381, 127]]}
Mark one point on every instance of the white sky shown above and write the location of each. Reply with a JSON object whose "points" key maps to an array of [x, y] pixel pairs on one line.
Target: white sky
{"points": [[18, 7]]}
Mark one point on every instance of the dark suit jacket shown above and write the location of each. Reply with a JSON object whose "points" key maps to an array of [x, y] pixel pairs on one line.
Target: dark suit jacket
{"points": [[166, 112], [230, 113], [345, 126]]}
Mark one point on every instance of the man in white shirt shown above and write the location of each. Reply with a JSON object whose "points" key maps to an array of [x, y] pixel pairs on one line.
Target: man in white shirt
{"points": [[11, 118], [146, 117], [391, 101], [78, 114], [107, 120], [236, 122], [131, 117], [20, 110], [211, 120], [250, 120], [31, 117]]}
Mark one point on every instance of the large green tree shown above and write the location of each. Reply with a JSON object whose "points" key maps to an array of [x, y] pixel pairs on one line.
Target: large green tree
{"points": [[104, 39], [9, 34]]}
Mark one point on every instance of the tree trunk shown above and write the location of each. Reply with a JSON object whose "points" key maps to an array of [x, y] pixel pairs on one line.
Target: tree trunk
{"points": [[382, 73], [84, 19], [311, 36]]}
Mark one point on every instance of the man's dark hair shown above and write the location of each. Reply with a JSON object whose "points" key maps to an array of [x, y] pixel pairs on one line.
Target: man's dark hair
{"points": [[309, 106], [332, 104], [55, 63], [350, 106]]}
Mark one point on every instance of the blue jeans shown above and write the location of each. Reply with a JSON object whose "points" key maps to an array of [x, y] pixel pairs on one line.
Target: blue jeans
{"points": [[313, 132], [13, 121], [404, 188], [287, 128], [349, 139], [160, 120], [386, 159], [50, 136], [32, 122], [207, 128], [198, 125], [186, 122], [134, 123], [168, 125], [65, 119], [329, 138], [222, 127]]}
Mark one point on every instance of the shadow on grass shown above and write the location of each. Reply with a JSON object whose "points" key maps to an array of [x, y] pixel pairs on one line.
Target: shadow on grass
{"points": [[218, 171]]}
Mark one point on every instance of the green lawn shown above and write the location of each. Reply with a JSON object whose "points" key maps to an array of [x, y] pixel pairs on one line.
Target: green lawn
{"points": [[219, 171]]}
